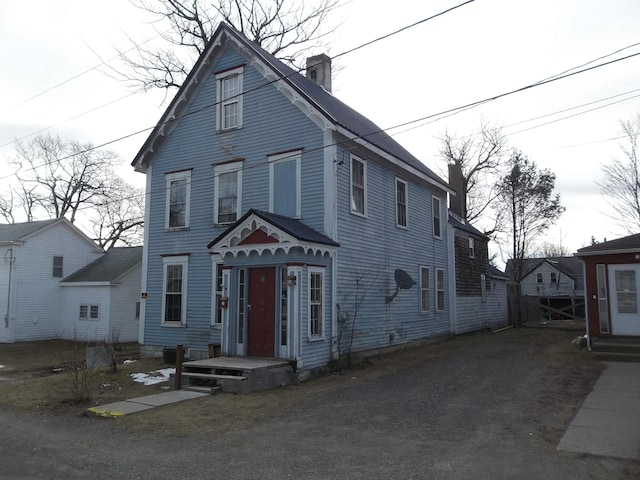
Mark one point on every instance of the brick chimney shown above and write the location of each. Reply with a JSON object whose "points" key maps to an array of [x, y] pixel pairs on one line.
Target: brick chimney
{"points": [[319, 70], [456, 182]]}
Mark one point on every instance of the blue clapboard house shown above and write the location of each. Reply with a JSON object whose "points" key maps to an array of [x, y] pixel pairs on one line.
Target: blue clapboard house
{"points": [[282, 224]]}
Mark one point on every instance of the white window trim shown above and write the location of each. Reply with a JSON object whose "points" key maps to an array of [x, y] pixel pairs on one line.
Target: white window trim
{"points": [[320, 270], [216, 260], [88, 317], [472, 248], [170, 177], [425, 287], [438, 290], [175, 260], [438, 210], [296, 156], [227, 168], [406, 202], [364, 183], [219, 110]]}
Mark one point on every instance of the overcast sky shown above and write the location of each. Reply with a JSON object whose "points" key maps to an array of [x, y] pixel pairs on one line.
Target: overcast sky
{"points": [[480, 50]]}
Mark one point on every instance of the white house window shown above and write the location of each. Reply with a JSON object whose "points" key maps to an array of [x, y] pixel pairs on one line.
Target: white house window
{"points": [[137, 311], [227, 192], [424, 289], [178, 194], [439, 289], [174, 295], [229, 99], [358, 186], [472, 248], [483, 288], [89, 312], [437, 225], [554, 277], [316, 302], [539, 277], [401, 202], [57, 266], [284, 183]]}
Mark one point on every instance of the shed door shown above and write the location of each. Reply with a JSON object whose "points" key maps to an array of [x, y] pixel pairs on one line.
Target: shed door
{"points": [[623, 294], [262, 325]]}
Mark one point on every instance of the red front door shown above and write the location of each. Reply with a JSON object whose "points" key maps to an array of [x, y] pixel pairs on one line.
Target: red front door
{"points": [[262, 320]]}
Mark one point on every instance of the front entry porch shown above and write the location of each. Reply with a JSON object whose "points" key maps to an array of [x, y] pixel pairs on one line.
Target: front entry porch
{"points": [[234, 374]]}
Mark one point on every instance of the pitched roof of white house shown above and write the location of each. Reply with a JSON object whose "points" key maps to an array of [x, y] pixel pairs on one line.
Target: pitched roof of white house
{"points": [[17, 233], [109, 267], [343, 118]]}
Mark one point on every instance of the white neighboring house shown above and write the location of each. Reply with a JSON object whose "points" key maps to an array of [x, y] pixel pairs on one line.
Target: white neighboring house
{"points": [[102, 300], [34, 257]]}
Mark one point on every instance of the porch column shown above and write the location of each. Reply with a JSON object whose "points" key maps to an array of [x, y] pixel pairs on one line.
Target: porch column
{"points": [[293, 314]]}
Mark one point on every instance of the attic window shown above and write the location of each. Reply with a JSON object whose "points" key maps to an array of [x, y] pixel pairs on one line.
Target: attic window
{"points": [[229, 99]]}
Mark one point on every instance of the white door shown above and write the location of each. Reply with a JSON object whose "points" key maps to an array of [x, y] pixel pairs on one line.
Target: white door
{"points": [[623, 293]]}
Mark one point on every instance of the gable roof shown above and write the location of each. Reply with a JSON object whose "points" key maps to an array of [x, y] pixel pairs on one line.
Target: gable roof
{"points": [[18, 232], [344, 119], [13, 233], [108, 268], [628, 244], [570, 266]]}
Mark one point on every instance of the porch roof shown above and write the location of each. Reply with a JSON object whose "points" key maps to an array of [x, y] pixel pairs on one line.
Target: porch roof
{"points": [[283, 233]]}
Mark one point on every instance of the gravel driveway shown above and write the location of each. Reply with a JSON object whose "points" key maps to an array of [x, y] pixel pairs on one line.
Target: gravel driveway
{"points": [[485, 407]]}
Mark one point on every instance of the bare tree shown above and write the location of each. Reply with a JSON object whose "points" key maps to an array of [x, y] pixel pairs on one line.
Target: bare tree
{"points": [[285, 28], [620, 183], [119, 219], [60, 176], [526, 195], [479, 159], [551, 250]]}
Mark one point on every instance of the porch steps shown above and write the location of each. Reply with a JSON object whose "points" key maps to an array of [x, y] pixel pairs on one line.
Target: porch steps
{"points": [[621, 349], [235, 374]]}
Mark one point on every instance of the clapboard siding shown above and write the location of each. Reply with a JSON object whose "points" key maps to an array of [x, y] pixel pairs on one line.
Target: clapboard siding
{"points": [[271, 124], [373, 247], [85, 330], [37, 299], [124, 296]]}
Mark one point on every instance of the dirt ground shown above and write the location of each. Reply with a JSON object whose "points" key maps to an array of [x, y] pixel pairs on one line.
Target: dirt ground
{"points": [[475, 406]]}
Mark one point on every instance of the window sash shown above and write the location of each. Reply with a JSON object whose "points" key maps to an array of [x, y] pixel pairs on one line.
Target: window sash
{"points": [[358, 197], [227, 192], [435, 205], [89, 312], [178, 203], [401, 203], [424, 289], [57, 266], [229, 98], [173, 294], [439, 289], [472, 248], [316, 303], [284, 183]]}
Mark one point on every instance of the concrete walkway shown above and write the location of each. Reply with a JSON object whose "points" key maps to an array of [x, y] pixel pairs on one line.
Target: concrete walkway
{"points": [[608, 423], [140, 404]]}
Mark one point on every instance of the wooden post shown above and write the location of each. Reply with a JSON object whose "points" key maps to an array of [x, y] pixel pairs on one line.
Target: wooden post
{"points": [[178, 376]]}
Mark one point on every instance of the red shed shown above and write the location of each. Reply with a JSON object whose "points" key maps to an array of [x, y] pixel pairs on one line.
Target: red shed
{"points": [[612, 276]]}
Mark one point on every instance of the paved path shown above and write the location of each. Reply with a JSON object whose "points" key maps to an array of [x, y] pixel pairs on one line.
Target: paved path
{"points": [[140, 404], [608, 423]]}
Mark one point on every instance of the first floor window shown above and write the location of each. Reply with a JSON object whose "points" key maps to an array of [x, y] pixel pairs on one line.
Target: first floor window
{"points": [[174, 304], [483, 287], [539, 277], [554, 277], [217, 291], [316, 302], [89, 312], [424, 289], [137, 310], [439, 289]]}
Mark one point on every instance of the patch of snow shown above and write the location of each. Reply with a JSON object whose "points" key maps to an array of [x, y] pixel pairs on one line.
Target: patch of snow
{"points": [[1, 366], [127, 361], [151, 378]]}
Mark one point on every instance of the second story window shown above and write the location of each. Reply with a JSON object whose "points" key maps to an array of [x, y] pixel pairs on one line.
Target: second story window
{"points": [[177, 206], [284, 183], [57, 267], [539, 277], [472, 248], [437, 226], [229, 98], [358, 186], [227, 192], [401, 202]]}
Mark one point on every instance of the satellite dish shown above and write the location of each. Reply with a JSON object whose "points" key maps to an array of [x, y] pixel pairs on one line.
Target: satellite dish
{"points": [[403, 281]]}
